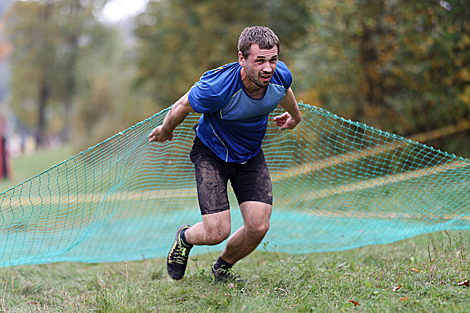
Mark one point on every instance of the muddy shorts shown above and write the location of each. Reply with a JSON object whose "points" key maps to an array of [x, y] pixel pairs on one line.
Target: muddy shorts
{"points": [[250, 181]]}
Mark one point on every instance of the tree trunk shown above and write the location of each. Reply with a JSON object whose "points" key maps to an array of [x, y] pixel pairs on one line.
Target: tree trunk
{"points": [[373, 81], [70, 87], [42, 101]]}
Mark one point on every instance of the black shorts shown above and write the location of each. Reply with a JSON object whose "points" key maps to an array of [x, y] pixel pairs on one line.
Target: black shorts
{"points": [[250, 181]]}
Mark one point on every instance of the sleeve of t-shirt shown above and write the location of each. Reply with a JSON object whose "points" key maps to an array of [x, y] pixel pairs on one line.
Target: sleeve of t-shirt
{"points": [[284, 74], [203, 98]]}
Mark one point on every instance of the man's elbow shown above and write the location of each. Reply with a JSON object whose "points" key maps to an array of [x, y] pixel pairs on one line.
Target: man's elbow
{"points": [[183, 106]]}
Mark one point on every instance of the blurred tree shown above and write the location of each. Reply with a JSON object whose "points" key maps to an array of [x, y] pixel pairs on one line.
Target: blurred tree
{"points": [[47, 36], [106, 102], [401, 66], [181, 39]]}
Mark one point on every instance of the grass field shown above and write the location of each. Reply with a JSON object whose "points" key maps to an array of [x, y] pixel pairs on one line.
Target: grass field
{"points": [[25, 167], [429, 273]]}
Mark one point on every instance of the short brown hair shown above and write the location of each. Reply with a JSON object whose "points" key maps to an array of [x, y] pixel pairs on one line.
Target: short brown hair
{"points": [[263, 36]]}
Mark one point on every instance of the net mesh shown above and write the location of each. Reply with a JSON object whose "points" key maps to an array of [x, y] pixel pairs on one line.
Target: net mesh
{"points": [[337, 185]]}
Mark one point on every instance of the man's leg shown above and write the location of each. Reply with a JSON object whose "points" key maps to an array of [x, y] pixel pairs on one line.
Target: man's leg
{"points": [[252, 186], [213, 229], [211, 179], [256, 224]]}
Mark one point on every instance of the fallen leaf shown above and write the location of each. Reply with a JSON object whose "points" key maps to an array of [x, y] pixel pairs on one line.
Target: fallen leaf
{"points": [[354, 302], [464, 283], [403, 299], [396, 288], [415, 270]]}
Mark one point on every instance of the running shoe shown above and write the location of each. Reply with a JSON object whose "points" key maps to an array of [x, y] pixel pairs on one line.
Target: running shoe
{"points": [[177, 259], [225, 276]]}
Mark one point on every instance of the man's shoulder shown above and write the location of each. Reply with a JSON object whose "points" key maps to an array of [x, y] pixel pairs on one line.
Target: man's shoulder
{"points": [[221, 75], [282, 68], [282, 75], [214, 88]]}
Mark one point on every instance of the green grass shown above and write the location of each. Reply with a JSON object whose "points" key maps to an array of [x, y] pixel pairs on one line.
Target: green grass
{"points": [[416, 275], [25, 167]]}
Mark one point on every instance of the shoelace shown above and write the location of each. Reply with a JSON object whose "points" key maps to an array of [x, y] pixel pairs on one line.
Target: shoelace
{"points": [[181, 255]]}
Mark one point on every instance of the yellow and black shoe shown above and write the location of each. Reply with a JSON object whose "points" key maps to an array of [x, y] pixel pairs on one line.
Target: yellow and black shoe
{"points": [[177, 259]]}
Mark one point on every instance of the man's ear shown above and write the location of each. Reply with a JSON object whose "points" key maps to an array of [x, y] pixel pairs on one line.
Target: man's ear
{"points": [[241, 59]]}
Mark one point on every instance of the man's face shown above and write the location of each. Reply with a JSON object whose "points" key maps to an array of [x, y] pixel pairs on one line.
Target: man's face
{"points": [[260, 64]]}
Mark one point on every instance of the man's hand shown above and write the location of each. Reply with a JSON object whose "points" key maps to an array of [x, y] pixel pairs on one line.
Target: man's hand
{"points": [[175, 116], [286, 121], [292, 117], [158, 135]]}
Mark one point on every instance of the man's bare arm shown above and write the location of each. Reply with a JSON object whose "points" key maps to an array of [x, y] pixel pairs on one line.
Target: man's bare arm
{"points": [[175, 116], [292, 117]]}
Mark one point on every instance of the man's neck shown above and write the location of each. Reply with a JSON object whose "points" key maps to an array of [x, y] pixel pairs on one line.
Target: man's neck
{"points": [[253, 90]]}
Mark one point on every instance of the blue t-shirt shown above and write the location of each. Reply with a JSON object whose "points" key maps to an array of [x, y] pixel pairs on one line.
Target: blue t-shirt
{"points": [[233, 124]]}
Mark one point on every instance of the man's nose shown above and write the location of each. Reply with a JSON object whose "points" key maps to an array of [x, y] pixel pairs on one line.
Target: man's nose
{"points": [[267, 68]]}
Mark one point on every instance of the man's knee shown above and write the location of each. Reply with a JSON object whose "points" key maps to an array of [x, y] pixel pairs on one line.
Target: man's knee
{"points": [[256, 217], [258, 230], [216, 235], [217, 227]]}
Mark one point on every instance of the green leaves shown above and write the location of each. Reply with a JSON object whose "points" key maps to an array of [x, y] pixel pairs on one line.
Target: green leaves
{"points": [[392, 65], [187, 38], [47, 42]]}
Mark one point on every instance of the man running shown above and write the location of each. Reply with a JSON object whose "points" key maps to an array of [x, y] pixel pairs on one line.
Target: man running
{"points": [[235, 100]]}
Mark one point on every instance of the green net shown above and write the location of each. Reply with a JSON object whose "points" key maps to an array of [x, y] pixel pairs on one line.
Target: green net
{"points": [[337, 185]]}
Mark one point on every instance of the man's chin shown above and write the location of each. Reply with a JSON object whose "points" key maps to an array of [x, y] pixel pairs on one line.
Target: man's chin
{"points": [[262, 84]]}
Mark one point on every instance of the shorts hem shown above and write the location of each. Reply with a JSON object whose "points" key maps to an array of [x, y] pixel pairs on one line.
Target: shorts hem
{"points": [[222, 209], [266, 201]]}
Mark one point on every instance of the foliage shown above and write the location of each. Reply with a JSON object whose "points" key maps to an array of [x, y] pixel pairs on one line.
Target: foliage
{"points": [[426, 274], [107, 102], [71, 74], [179, 40], [400, 66], [47, 37]]}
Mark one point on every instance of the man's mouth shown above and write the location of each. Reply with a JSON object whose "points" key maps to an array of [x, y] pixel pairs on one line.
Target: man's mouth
{"points": [[265, 77]]}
